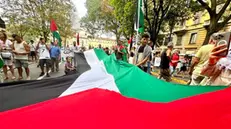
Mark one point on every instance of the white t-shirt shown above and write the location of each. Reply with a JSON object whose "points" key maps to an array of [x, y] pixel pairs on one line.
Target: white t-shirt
{"points": [[73, 50], [32, 47], [43, 52], [19, 47], [157, 61], [7, 45]]}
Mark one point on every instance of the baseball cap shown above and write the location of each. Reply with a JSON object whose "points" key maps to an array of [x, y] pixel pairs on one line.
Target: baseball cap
{"points": [[170, 44]]}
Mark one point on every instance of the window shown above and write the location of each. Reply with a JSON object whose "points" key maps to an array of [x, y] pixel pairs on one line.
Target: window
{"points": [[179, 41], [193, 38], [197, 18]]}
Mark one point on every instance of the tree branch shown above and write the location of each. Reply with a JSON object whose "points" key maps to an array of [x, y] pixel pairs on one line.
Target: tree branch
{"points": [[206, 6], [227, 3], [213, 5]]}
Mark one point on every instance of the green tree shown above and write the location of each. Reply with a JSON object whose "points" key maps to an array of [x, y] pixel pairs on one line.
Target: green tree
{"points": [[155, 13], [219, 12], [124, 12], [158, 12], [36, 15], [180, 11], [99, 20]]}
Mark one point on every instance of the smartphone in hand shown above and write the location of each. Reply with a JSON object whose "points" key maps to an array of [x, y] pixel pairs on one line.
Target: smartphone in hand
{"points": [[224, 39]]}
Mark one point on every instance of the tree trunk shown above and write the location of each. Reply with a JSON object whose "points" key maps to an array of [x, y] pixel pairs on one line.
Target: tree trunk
{"points": [[207, 37], [45, 36], [153, 38]]}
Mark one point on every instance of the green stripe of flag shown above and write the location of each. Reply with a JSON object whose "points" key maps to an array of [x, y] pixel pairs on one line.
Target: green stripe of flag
{"points": [[57, 36], [134, 83]]}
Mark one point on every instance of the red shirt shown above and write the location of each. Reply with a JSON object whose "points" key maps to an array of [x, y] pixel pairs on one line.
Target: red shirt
{"points": [[174, 60]]}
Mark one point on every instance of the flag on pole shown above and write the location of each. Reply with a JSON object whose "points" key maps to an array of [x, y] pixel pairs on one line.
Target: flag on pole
{"points": [[78, 39], [140, 17], [55, 33]]}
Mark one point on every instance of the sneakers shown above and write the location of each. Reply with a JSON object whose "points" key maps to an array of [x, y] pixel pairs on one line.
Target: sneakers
{"points": [[41, 74]]}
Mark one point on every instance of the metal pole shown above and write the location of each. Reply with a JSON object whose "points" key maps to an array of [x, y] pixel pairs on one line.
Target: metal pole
{"points": [[138, 23]]}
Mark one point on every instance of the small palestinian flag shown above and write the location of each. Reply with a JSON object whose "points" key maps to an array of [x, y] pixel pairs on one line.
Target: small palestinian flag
{"points": [[55, 33]]}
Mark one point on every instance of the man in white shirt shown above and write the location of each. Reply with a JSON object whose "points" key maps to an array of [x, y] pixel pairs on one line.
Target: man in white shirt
{"points": [[32, 51], [21, 50], [44, 56], [74, 50]]}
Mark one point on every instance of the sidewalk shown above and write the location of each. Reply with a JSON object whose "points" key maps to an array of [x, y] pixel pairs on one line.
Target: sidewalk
{"points": [[178, 80]]}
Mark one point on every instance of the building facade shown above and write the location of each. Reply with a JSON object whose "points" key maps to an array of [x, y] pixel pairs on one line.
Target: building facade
{"points": [[190, 35]]}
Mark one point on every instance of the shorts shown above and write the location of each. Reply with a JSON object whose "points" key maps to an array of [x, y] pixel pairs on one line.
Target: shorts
{"points": [[21, 63], [32, 53], [183, 68], [42, 62], [165, 73], [8, 62], [196, 79]]}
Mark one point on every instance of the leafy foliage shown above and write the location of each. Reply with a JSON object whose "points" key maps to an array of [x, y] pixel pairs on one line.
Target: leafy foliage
{"points": [[124, 12], [35, 16], [219, 12]]}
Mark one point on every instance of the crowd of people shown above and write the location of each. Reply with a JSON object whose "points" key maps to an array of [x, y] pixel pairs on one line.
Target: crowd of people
{"points": [[206, 67], [16, 53], [209, 66]]}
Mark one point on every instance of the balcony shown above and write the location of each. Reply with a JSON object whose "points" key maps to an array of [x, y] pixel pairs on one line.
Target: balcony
{"points": [[181, 30]]}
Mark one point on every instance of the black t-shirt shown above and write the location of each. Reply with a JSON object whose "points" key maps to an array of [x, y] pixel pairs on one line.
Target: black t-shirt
{"points": [[141, 49], [132, 54], [164, 63]]}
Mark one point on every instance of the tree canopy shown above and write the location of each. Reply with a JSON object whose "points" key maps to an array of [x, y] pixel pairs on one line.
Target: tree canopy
{"points": [[35, 16], [219, 12]]}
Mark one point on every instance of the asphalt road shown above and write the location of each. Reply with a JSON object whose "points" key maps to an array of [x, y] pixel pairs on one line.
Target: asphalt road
{"points": [[34, 73]]}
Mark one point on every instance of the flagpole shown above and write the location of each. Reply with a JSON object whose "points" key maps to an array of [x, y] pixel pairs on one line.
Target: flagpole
{"points": [[138, 23]]}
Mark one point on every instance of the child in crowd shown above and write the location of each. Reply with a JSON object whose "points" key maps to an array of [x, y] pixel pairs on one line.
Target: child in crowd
{"points": [[183, 66], [69, 68]]}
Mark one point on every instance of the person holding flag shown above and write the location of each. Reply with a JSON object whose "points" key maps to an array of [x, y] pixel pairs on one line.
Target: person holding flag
{"points": [[121, 52]]}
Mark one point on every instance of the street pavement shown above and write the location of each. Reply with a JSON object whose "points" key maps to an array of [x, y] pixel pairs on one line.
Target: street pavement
{"points": [[176, 79], [34, 73]]}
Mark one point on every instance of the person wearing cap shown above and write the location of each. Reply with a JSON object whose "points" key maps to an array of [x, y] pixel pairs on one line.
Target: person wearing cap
{"points": [[143, 53], [199, 60], [21, 51], [165, 63]]}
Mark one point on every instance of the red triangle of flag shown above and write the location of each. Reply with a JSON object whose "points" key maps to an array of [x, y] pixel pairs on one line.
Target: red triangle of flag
{"points": [[53, 26]]}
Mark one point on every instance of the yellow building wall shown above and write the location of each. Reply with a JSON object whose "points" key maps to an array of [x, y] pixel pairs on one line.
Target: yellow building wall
{"points": [[198, 28]]}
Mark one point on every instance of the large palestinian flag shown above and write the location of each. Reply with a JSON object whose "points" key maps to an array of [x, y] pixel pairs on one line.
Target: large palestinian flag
{"points": [[97, 70], [103, 109]]}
